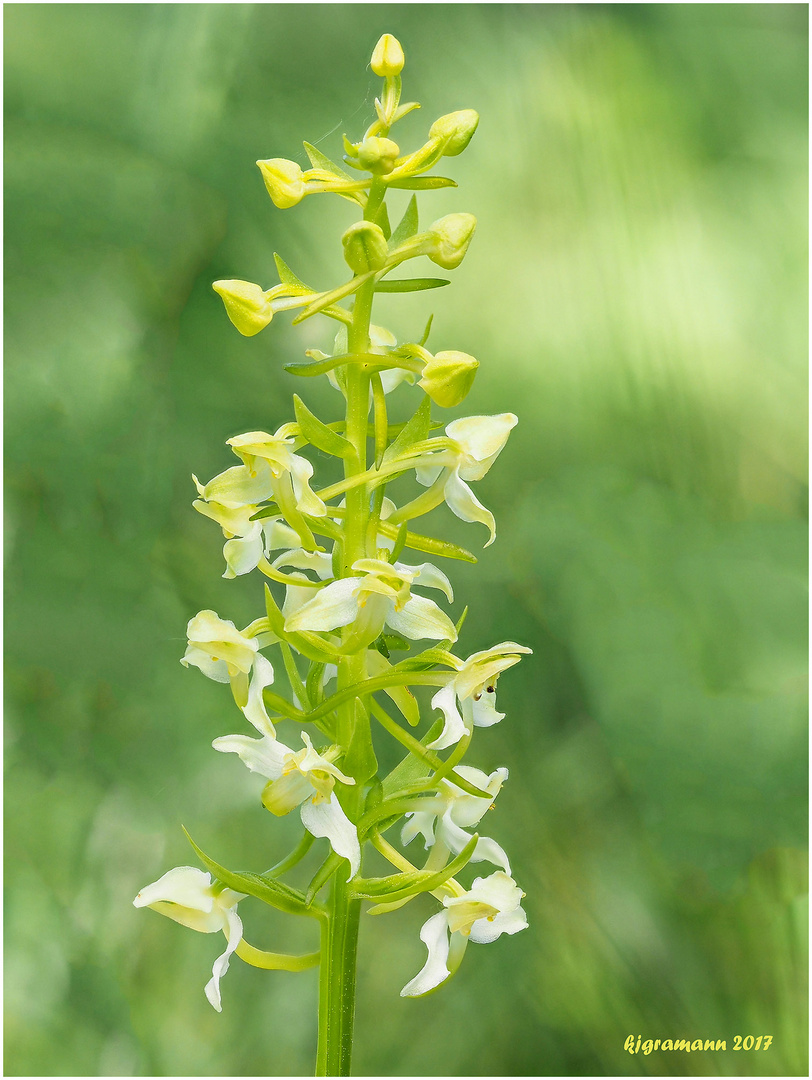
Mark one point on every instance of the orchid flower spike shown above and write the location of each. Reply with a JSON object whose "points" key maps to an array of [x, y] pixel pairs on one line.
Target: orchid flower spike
{"points": [[474, 687], [381, 597], [222, 653], [187, 895], [303, 778], [453, 810], [490, 908]]}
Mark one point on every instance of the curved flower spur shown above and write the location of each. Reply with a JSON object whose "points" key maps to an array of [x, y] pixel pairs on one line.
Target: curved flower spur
{"points": [[346, 630]]}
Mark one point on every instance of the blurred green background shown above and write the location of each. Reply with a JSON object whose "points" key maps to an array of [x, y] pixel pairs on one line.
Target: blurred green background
{"points": [[636, 292]]}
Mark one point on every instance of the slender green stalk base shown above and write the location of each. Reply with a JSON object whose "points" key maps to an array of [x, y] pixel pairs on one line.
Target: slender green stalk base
{"points": [[337, 983]]}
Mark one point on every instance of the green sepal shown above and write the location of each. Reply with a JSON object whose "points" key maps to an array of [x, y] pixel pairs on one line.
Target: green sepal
{"points": [[318, 434], [416, 430], [286, 275], [272, 892], [320, 161], [322, 876], [400, 886], [402, 285], [423, 183], [374, 796], [411, 769], [407, 227], [359, 761]]}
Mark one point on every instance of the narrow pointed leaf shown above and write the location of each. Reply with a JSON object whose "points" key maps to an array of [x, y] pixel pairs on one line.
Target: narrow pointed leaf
{"points": [[286, 275], [318, 434], [402, 285], [416, 430], [407, 227], [320, 161], [423, 183]]}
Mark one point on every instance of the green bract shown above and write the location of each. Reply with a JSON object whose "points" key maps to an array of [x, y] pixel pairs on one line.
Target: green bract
{"points": [[344, 609]]}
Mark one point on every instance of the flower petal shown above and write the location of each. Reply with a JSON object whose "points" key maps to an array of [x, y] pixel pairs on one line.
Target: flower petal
{"points": [[184, 885], [506, 922], [255, 711], [333, 606], [421, 618], [481, 438], [265, 756], [455, 839], [430, 577], [446, 700], [242, 554], [462, 502], [233, 930], [212, 669], [434, 935], [328, 819], [307, 501]]}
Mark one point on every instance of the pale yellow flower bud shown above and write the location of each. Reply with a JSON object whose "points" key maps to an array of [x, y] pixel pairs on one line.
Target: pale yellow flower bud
{"points": [[247, 305], [458, 128], [378, 155], [284, 181], [450, 237], [448, 376], [364, 247], [388, 58]]}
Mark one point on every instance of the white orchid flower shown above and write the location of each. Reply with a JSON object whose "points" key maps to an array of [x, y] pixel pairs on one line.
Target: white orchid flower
{"points": [[490, 908], [231, 499], [474, 687], [453, 810], [187, 895], [303, 778], [478, 440], [289, 474], [222, 653], [382, 596]]}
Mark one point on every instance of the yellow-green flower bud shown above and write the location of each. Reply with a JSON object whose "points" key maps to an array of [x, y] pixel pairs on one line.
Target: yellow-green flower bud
{"points": [[448, 376], [387, 58], [364, 247], [458, 128], [449, 239], [247, 305], [284, 181], [378, 155]]}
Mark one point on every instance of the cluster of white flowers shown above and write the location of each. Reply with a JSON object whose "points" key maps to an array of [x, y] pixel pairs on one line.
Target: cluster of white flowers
{"points": [[336, 554]]}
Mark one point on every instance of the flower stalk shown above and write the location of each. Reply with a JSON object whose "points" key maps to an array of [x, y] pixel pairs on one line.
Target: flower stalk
{"points": [[341, 597]]}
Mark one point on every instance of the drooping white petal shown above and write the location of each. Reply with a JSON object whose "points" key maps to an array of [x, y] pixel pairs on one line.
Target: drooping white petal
{"points": [[237, 487], [233, 930], [468, 810], [243, 553], [265, 756], [255, 711], [430, 577], [328, 819], [427, 474], [454, 728], [278, 534], [434, 935], [421, 618], [456, 839], [306, 499], [481, 440], [333, 606], [462, 502], [420, 822]]}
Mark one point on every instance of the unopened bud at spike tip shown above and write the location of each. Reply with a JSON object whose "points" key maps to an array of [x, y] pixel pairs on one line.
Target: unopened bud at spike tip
{"points": [[364, 247], [387, 58], [378, 155], [284, 181], [247, 305], [458, 128]]}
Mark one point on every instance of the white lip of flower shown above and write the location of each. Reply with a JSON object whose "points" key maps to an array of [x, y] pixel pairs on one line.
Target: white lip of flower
{"points": [[303, 778], [490, 908], [474, 686], [479, 441], [186, 895], [259, 451], [231, 499], [381, 597], [225, 655], [453, 810]]}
